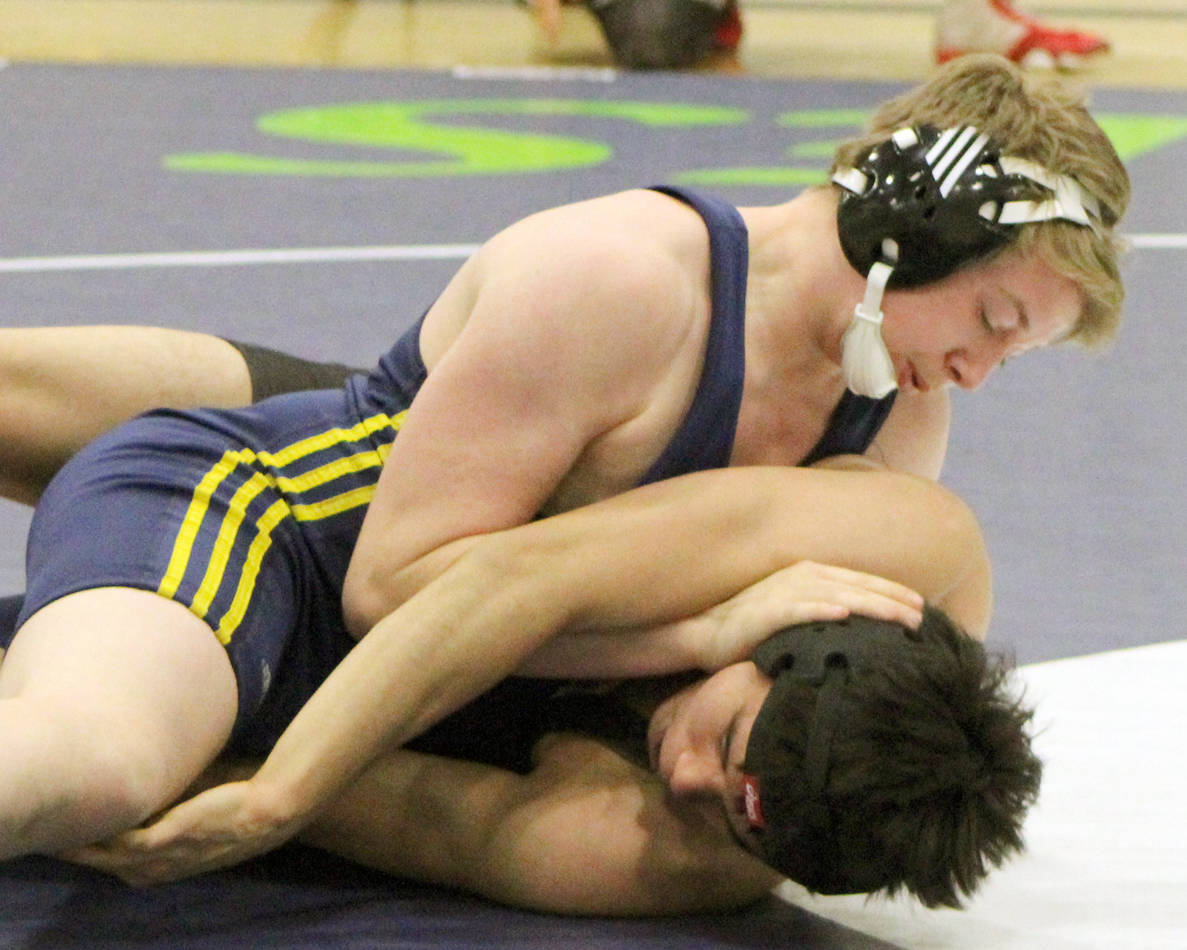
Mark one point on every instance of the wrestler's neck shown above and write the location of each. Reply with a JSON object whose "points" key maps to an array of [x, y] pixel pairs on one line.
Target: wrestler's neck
{"points": [[801, 289], [800, 294], [800, 299]]}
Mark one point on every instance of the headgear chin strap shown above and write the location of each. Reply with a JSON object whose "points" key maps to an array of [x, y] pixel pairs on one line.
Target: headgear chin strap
{"points": [[786, 791], [922, 204], [869, 371]]}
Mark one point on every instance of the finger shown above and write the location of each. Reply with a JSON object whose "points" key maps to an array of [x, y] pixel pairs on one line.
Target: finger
{"points": [[813, 611], [872, 582], [127, 844], [890, 611], [879, 607], [108, 862], [837, 605], [814, 601], [91, 857]]}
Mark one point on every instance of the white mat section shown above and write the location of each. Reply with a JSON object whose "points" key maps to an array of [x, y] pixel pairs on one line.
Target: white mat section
{"points": [[1107, 859]]}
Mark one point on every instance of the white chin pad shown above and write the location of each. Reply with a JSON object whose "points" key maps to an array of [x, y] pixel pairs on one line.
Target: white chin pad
{"points": [[867, 365], [865, 360]]}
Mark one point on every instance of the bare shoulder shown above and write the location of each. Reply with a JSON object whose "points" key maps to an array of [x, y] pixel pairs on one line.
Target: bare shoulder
{"points": [[585, 283], [640, 241], [590, 282], [915, 436]]}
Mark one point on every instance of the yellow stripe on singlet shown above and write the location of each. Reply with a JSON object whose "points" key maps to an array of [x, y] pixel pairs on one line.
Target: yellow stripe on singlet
{"points": [[275, 514], [230, 621], [225, 542], [232, 523], [194, 515]]}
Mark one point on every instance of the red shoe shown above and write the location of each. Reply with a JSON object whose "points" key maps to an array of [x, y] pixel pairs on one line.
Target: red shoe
{"points": [[728, 32], [993, 26]]}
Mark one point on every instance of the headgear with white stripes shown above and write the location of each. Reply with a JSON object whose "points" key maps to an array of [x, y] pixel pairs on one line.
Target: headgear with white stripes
{"points": [[922, 204]]}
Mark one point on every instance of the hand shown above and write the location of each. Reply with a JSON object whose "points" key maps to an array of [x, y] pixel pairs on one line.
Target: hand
{"points": [[220, 827], [804, 592]]}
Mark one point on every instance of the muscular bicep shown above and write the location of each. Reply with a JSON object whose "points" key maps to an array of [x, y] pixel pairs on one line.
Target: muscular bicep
{"points": [[511, 405], [482, 447], [583, 834]]}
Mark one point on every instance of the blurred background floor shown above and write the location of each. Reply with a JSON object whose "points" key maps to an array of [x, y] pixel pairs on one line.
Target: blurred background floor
{"points": [[849, 39]]}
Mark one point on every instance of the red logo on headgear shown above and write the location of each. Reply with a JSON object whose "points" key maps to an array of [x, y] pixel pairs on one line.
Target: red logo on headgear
{"points": [[752, 802]]}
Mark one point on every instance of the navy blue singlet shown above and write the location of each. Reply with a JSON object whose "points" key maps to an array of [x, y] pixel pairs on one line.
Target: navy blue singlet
{"points": [[248, 517], [706, 436]]}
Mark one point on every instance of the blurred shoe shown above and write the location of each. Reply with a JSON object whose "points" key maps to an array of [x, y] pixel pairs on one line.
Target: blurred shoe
{"points": [[728, 32], [666, 34], [994, 26]]}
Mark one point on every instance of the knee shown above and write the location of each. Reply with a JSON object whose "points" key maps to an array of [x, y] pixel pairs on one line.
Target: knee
{"points": [[88, 781], [120, 792]]}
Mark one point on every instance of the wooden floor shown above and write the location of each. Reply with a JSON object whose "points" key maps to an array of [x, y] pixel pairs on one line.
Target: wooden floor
{"points": [[880, 39]]}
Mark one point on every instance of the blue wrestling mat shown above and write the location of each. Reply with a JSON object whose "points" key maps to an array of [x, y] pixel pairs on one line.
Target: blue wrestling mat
{"points": [[325, 209], [298, 898]]}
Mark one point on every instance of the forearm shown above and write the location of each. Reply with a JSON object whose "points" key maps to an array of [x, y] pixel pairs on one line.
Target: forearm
{"points": [[644, 559], [803, 592], [683, 547], [943, 555], [452, 641], [622, 653]]}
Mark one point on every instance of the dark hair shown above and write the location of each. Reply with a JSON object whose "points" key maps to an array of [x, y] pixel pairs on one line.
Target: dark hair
{"points": [[891, 759]]}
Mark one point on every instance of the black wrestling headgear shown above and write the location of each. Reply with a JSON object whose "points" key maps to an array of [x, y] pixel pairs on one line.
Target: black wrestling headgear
{"points": [[787, 803], [927, 201], [921, 204]]}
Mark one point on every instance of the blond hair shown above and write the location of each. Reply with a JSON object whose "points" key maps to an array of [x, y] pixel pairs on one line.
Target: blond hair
{"points": [[1036, 117]]}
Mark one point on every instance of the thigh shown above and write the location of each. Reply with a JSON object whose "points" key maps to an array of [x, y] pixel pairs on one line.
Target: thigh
{"points": [[130, 666], [237, 518], [65, 385]]}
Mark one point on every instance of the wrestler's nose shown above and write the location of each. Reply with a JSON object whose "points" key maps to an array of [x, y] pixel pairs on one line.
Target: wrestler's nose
{"points": [[968, 369], [696, 775]]}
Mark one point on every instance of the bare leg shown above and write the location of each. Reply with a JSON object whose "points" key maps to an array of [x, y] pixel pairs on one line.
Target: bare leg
{"points": [[112, 701], [62, 386]]}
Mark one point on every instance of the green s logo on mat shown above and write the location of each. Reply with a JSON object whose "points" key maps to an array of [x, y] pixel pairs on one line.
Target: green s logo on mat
{"points": [[456, 150], [463, 150]]}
